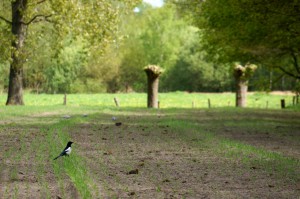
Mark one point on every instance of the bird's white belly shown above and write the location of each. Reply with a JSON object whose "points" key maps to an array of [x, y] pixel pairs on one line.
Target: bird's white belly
{"points": [[68, 150]]}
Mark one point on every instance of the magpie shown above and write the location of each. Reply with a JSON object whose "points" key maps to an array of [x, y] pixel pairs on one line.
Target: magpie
{"points": [[66, 151]]}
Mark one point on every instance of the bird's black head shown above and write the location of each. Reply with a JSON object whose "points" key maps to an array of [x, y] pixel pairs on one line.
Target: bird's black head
{"points": [[69, 143]]}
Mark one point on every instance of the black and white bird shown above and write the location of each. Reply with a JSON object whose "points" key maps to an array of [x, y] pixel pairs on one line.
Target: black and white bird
{"points": [[66, 151]]}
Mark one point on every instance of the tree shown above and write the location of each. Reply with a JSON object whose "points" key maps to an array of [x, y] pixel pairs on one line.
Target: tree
{"points": [[257, 31], [95, 21], [192, 71], [154, 37], [153, 72], [242, 75], [66, 67]]}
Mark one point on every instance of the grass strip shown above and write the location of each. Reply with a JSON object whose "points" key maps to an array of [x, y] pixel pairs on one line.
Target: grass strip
{"points": [[73, 166]]}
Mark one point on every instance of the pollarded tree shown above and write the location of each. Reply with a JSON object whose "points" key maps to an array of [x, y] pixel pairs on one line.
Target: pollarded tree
{"points": [[153, 72], [242, 75], [155, 36], [95, 21]]}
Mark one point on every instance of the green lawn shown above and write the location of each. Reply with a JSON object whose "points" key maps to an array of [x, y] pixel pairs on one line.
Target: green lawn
{"points": [[167, 100]]}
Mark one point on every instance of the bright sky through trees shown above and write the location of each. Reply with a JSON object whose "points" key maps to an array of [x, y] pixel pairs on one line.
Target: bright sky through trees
{"points": [[155, 3]]}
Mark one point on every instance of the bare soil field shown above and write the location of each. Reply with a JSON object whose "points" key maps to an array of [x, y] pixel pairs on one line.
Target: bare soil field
{"points": [[179, 153]]}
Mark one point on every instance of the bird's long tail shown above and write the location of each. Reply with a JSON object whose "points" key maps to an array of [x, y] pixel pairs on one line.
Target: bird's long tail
{"points": [[56, 157]]}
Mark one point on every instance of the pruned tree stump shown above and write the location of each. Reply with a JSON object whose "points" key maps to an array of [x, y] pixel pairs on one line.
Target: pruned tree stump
{"points": [[153, 72], [242, 75]]}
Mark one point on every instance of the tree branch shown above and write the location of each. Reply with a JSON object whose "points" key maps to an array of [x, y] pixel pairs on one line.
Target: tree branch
{"points": [[45, 17], [37, 3], [289, 73], [42, 1], [7, 21], [296, 65]]}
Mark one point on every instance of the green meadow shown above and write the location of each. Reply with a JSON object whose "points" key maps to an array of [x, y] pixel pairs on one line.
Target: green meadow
{"points": [[167, 100]]}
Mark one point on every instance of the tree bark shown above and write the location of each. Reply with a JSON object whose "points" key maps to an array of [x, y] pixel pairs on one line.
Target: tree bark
{"points": [[241, 93], [15, 88], [152, 101], [153, 72]]}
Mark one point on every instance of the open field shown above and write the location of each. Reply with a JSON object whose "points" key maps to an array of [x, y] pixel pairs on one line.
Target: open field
{"points": [[167, 100], [165, 153]]}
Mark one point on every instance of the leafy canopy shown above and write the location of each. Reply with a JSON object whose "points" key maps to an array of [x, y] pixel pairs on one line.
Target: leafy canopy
{"points": [[260, 31]]}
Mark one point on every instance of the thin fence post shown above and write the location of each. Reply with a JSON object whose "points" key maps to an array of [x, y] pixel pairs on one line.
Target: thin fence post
{"points": [[116, 101], [158, 104], [294, 100], [193, 104], [282, 103], [209, 103], [65, 99]]}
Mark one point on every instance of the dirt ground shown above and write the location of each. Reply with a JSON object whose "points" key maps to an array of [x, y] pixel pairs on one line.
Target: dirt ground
{"points": [[149, 157]]}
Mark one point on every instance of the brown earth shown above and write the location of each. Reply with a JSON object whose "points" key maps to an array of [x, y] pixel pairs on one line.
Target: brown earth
{"points": [[148, 157]]}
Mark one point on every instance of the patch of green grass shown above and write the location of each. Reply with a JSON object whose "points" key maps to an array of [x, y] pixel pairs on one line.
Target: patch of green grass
{"points": [[167, 100]]}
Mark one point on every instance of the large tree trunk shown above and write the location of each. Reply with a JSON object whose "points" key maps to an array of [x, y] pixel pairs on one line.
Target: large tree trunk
{"points": [[153, 72], [15, 88], [152, 101], [241, 93]]}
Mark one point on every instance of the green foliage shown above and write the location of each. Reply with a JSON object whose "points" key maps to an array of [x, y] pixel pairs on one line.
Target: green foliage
{"points": [[192, 71], [154, 37], [40, 50], [88, 85], [162, 37], [3, 76], [50, 63], [5, 32], [244, 72], [66, 67], [97, 46], [155, 70], [258, 31]]}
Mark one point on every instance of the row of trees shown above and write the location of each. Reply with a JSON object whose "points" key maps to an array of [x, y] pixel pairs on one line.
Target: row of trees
{"points": [[26, 24], [97, 46], [257, 31]]}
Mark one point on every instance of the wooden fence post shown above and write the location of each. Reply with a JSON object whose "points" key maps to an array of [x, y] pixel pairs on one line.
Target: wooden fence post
{"points": [[208, 103], [116, 101], [193, 104], [65, 99], [267, 104], [282, 103]]}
